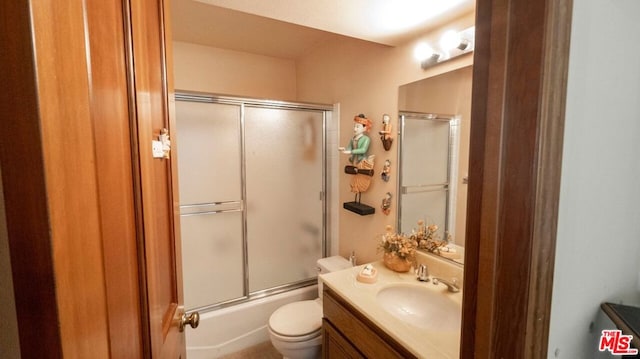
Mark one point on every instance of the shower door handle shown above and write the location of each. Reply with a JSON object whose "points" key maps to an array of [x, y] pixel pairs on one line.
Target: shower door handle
{"points": [[193, 319]]}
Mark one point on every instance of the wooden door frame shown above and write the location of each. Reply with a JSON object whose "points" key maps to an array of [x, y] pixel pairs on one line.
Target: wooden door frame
{"points": [[518, 104], [69, 176], [52, 182]]}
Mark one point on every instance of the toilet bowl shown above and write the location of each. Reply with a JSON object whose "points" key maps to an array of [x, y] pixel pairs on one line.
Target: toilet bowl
{"points": [[295, 329]]}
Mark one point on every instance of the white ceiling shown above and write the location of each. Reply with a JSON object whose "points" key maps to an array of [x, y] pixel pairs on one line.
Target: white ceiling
{"points": [[287, 28]]}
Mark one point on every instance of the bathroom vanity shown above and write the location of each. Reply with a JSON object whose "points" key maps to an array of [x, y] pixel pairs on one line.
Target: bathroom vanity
{"points": [[395, 317], [360, 334]]}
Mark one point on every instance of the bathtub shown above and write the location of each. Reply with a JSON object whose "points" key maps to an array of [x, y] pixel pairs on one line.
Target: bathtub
{"points": [[228, 330]]}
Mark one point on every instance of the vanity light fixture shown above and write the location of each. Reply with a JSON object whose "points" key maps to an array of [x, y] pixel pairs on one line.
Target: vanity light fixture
{"points": [[430, 61], [452, 44], [426, 55]]}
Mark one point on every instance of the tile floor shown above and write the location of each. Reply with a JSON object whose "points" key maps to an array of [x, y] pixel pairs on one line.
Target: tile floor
{"points": [[261, 351]]}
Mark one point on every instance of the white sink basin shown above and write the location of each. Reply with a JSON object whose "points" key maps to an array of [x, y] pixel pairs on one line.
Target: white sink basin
{"points": [[421, 306]]}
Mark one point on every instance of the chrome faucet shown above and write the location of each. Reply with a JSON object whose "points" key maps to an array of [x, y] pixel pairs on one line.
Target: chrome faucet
{"points": [[451, 286], [422, 272]]}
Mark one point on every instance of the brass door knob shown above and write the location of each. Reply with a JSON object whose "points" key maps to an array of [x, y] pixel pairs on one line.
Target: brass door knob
{"points": [[192, 319]]}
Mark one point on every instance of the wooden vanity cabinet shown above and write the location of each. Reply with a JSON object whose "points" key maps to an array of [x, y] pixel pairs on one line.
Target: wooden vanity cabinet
{"points": [[349, 334]]}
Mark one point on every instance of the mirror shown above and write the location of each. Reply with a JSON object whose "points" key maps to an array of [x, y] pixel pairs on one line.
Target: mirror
{"points": [[434, 120]]}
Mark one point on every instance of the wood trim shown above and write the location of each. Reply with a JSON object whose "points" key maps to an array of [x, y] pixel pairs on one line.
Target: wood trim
{"points": [[551, 128], [171, 109], [24, 187], [475, 202], [110, 114], [48, 161], [71, 232], [173, 162], [519, 84], [136, 179], [71, 178], [163, 297]]}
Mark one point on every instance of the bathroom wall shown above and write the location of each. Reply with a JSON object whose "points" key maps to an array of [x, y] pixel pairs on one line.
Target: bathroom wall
{"points": [[364, 78], [598, 241], [220, 71], [9, 343], [360, 76]]}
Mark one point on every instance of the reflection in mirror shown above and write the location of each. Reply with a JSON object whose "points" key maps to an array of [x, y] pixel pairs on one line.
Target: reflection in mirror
{"points": [[433, 152], [427, 179]]}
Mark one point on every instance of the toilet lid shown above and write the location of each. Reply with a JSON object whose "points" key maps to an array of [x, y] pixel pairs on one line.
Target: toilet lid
{"points": [[296, 319]]}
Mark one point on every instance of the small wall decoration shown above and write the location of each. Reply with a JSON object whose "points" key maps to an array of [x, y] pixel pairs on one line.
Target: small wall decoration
{"points": [[361, 166], [386, 203], [386, 170], [385, 134], [166, 142]]}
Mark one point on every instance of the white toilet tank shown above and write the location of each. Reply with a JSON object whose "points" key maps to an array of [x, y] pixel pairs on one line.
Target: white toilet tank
{"points": [[328, 265]]}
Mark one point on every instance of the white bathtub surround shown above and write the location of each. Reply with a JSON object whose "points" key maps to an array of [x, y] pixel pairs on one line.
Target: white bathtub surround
{"points": [[232, 329]]}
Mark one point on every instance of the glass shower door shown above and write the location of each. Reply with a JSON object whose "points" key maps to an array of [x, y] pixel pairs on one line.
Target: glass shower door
{"points": [[211, 206], [284, 184], [251, 181]]}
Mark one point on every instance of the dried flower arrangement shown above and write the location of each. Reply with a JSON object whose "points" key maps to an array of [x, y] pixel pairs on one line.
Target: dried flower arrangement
{"points": [[399, 250], [426, 237], [398, 244]]}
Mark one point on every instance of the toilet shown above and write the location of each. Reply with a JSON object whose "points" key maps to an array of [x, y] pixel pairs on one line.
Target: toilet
{"points": [[295, 329]]}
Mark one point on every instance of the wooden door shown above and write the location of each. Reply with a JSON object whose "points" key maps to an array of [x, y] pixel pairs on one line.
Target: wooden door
{"points": [[89, 212], [158, 203]]}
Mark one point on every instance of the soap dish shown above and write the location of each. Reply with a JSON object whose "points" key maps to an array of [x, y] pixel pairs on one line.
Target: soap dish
{"points": [[370, 277]]}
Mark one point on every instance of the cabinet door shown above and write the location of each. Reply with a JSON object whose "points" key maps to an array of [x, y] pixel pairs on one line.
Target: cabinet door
{"points": [[334, 345], [357, 330]]}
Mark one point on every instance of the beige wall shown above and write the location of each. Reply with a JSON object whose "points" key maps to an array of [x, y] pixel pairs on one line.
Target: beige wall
{"points": [[9, 341], [219, 71], [598, 236], [362, 77]]}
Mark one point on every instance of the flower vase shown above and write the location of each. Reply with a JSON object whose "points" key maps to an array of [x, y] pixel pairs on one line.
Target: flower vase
{"points": [[396, 263]]}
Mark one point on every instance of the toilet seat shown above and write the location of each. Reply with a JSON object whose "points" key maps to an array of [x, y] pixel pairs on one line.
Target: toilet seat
{"points": [[297, 339], [297, 321]]}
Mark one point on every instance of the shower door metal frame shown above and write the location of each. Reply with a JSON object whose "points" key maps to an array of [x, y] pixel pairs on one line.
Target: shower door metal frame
{"points": [[450, 186], [235, 206]]}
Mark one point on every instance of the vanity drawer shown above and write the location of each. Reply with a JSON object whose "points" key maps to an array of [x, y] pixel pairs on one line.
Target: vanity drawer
{"points": [[365, 336], [334, 345]]}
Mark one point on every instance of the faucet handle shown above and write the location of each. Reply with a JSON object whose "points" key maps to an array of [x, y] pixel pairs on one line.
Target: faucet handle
{"points": [[422, 272], [452, 286]]}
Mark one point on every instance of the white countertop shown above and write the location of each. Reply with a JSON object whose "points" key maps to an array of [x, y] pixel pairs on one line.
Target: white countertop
{"points": [[424, 343]]}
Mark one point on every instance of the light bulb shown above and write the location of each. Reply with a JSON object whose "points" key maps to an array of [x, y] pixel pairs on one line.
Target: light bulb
{"points": [[422, 51], [450, 40]]}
